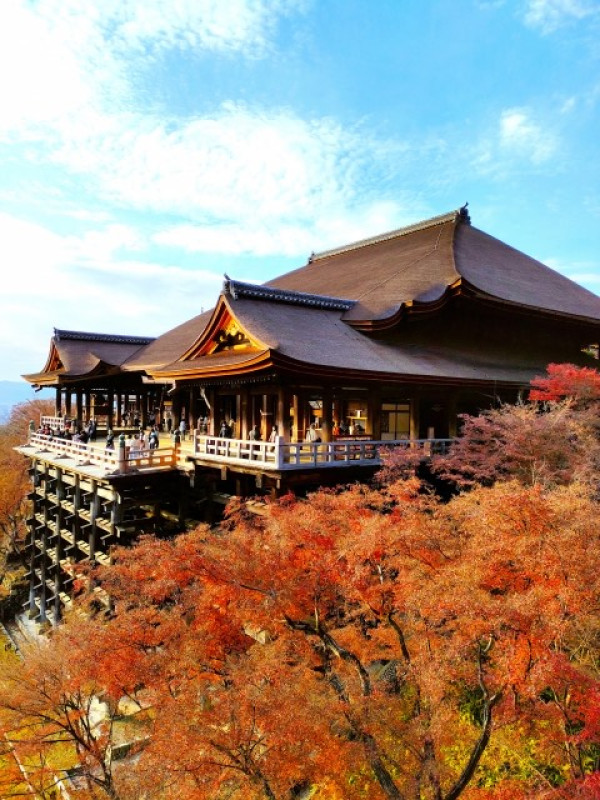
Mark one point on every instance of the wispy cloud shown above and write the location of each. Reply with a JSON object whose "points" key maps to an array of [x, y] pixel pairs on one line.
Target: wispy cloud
{"points": [[522, 135], [517, 140], [99, 281], [550, 15], [70, 57]]}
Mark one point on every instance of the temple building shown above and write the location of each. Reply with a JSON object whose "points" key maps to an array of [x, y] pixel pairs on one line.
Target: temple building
{"points": [[296, 382]]}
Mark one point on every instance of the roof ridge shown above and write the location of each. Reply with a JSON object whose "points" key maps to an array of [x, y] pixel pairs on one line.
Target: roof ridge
{"points": [[460, 214], [83, 336], [259, 291]]}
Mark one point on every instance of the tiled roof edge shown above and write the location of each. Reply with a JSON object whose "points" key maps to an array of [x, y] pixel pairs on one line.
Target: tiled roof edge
{"points": [[258, 292], [459, 215], [82, 336]]}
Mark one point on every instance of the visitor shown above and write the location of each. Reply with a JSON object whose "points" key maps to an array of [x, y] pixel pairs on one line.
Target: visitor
{"points": [[311, 434]]}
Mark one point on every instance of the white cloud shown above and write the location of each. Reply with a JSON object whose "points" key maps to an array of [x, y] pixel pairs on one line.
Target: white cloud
{"points": [[550, 15], [518, 139], [89, 282], [520, 134], [67, 57], [235, 162]]}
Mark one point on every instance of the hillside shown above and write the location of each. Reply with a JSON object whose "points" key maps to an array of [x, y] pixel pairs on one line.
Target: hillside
{"points": [[11, 393]]}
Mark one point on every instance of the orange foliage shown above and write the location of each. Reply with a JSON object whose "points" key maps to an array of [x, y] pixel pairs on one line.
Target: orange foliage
{"points": [[350, 641], [14, 481]]}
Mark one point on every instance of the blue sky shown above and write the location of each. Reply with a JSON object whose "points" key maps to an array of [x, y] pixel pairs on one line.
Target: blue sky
{"points": [[148, 147]]}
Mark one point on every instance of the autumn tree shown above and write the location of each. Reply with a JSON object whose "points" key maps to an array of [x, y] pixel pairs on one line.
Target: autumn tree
{"points": [[14, 480], [361, 642], [552, 439]]}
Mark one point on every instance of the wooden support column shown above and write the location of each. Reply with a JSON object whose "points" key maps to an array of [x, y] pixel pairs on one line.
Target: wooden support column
{"points": [[191, 403], [94, 505], [68, 398], [265, 418], [296, 423], [79, 405], [374, 413], [415, 402], [282, 416], [326, 424], [57, 556], [42, 597], [452, 418], [337, 407], [245, 423], [88, 405], [119, 409], [212, 423], [33, 539], [111, 404], [58, 402]]}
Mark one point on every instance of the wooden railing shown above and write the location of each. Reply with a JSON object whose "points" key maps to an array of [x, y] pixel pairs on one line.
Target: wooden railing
{"points": [[281, 455], [118, 460], [278, 455]]}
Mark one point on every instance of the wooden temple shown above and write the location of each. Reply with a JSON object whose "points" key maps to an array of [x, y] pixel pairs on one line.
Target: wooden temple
{"points": [[294, 383]]}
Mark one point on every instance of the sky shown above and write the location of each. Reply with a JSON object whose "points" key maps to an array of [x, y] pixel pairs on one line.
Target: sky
{"points": [[147, 148]]}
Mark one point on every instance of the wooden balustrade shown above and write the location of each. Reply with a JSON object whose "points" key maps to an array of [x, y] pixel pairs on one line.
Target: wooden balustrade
{"points": [[118, 460], [278, 455], [281, 455]]}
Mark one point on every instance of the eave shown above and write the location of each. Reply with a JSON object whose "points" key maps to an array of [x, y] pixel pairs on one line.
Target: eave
{"points": [[290, 366], [259, 361]]}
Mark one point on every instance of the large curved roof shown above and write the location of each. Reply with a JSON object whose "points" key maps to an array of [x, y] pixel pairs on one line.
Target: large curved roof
{"points": [[419, 264]]}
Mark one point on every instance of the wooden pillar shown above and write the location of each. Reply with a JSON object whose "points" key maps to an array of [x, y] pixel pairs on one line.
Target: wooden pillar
{"points": [[245, 422], [281, 417], [111, 407], [88, 405], [337, 407], [58, 402], [451, 411], [296, 423], [374, 413], [57, 556], [326, 424], [265, 418], [212, 423], [33, 532], [192, 417], [68, 397], [415, 403], [79, 405], [94, 504]]}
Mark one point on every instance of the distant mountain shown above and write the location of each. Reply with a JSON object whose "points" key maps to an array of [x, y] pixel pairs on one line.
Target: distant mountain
{"points": [[13, 392]]}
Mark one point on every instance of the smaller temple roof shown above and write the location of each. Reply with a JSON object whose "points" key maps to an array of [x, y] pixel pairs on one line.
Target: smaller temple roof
{"points": [[78, 354]]}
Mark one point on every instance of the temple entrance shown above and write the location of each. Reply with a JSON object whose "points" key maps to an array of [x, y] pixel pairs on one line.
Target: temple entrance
{"points": [[395, 420], [433, 420]]}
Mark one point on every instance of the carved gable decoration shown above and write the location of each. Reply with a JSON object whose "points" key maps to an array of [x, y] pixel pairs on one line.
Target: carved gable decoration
{"points": [[230, 338], [223, 334], [54, 362]]}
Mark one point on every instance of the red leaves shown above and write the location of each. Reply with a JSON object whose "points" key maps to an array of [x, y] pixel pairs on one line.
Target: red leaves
{"points": [[581, 384]]}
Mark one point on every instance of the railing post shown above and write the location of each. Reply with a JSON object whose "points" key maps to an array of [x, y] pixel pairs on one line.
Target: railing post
{"points": [[122, 456], [279, 452]]}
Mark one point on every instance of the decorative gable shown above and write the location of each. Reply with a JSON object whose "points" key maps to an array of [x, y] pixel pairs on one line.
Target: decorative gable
{"points": [[224, 333], [54, 362]]}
